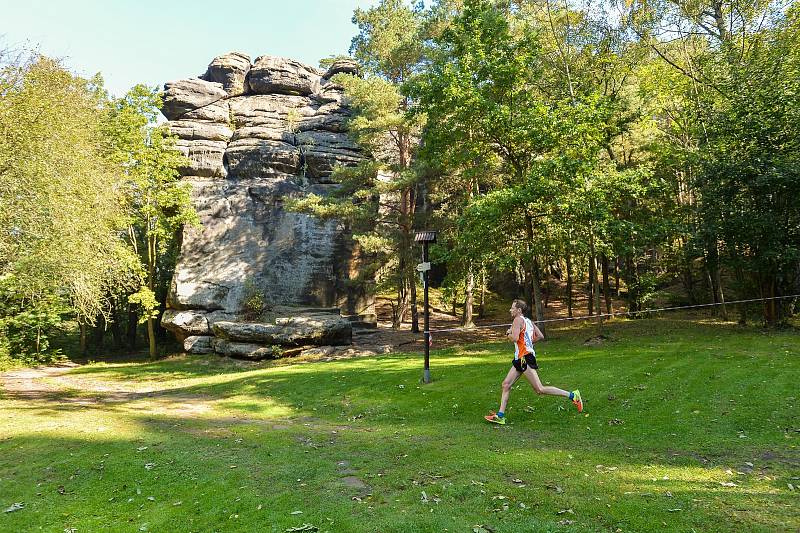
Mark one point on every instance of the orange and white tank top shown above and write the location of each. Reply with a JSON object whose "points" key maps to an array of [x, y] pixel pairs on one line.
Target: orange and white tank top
{"points": [[524, 345]]}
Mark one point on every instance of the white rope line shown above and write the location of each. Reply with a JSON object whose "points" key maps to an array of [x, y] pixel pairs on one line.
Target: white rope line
{"points": [[624, 313]]}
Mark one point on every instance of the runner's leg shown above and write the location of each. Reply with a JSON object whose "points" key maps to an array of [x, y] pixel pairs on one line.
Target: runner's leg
{"points": [[511, 378], [533, 377]]}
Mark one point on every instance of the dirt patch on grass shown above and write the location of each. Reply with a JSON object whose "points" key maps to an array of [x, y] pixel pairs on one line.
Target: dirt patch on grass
{"points": [[787, 457], [52, 387]]}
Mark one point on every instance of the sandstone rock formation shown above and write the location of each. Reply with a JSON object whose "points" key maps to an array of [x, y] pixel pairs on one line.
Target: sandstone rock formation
{"points": [[256, 135]]}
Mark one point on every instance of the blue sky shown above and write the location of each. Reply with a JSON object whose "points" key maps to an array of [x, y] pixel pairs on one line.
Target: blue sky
{"points": [[152, 42]]}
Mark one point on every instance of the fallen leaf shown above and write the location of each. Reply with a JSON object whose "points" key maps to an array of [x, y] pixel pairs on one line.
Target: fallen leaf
{"points": [[141, 448], [15, 507], [728, 484], [151, 498], [296, 512], [149, 466], [673, 510], [563, 511]]}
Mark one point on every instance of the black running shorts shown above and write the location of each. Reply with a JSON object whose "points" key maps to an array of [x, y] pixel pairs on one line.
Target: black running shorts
{"points": [[521, 366]]}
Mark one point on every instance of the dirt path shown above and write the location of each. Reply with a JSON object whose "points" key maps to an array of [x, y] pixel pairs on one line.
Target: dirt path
{"points": [[34, 383]]}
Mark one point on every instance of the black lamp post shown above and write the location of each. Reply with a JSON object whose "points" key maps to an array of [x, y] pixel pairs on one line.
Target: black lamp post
{"points": [[426, 237]]}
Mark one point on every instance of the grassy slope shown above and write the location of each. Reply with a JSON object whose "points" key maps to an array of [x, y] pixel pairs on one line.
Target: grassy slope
{"points": [[674, 409]]}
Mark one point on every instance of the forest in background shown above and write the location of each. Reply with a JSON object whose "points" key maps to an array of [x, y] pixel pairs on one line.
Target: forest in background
{"points": [[610, 146]]}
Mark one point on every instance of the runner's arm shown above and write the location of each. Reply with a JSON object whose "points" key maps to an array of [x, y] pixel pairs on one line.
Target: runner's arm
{"points": [[536, 334], [516, 327]]}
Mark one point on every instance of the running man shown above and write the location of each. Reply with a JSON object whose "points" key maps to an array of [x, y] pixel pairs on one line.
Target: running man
{"points": [[523, 333]]}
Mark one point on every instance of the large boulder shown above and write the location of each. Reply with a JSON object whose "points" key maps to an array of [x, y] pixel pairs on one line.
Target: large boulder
{"points": [[292, 331], [198, 344], [206, 158], [346, 65], [231, 71], [244, 350], [184, 323], [324, 150], [254, 158], [271, 74], [183, 96], [256, 137], [194, 130]]}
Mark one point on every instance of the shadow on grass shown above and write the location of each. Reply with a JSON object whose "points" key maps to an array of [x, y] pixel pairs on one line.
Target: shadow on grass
{"points": [[218, 466]]}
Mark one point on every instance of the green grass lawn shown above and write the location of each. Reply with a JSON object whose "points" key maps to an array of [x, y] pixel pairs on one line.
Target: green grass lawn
{"points": [[688, 426]]}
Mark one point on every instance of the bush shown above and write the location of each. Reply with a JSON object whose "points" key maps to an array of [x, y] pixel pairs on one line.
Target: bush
{"points": [[252, 300], [26, 333]]}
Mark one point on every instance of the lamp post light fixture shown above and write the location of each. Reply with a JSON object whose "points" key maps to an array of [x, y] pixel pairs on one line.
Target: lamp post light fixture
{"points": [[426, 237]]}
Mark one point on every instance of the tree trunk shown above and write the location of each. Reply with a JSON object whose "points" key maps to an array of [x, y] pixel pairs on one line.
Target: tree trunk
{"points": [[470, 287], [687, 276], [607, 286], [537, 295], [97, 335], [742, 307], [151, 274], [768, 291], [116, 326], [481, 307], [569, 285], [713, 273], [83, 343], [535, 280], [632, 281], [529, 290], [546, 294], [131, 328], [402, 306], [596, 286], [720, 293], [592, 277], [151, 335], [414, 310], [617, 264]]}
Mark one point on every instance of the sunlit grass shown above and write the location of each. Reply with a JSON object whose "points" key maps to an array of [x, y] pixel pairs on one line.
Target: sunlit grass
{"points": [[687, 427]]}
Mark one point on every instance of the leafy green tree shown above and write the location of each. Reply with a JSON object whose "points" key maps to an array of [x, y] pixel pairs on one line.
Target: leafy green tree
{"points": [[482, 111], [725, 137], [159, 203], [60, 196], [384, 187]]}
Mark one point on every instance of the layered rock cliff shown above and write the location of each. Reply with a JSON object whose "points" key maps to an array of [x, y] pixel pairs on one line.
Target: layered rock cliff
{"points": [[256, 134]]}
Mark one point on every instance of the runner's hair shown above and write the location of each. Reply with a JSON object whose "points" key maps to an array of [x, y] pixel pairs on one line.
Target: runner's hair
{"points": [[521, 305]]}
